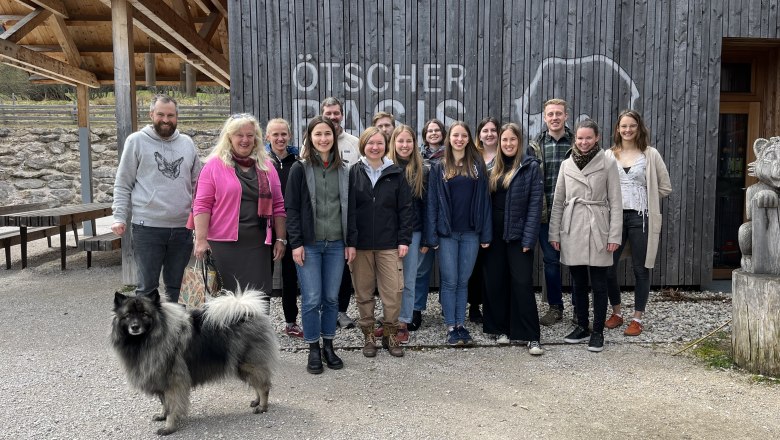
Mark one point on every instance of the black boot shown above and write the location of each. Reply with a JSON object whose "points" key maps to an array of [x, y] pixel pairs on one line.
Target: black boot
{"points": [[333, 361], [315, 361], [416, 321]]}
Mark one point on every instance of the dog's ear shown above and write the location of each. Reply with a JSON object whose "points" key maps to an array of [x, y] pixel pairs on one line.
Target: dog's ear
{"points": [[154, 296], [119, 299]]}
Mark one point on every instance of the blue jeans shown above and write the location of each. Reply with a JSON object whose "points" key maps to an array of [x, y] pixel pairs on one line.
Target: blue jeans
{"points": [[552, 267], [410, 275], [165, 250], [457, 255], [320, 278], [422, 281]]}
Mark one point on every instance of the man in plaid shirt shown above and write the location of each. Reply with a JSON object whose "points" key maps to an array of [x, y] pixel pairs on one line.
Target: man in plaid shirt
{"points": [[551, 147]]}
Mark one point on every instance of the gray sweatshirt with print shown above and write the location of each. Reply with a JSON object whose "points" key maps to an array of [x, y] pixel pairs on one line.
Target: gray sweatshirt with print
{"points": [[157, 176]]}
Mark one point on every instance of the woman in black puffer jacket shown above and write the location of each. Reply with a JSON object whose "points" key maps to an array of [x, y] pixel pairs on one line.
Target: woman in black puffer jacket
{"points": [[517, 191]]}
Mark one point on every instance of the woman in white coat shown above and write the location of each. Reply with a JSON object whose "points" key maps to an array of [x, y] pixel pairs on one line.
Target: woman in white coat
{"points": [[586, 224], [644, 180]]}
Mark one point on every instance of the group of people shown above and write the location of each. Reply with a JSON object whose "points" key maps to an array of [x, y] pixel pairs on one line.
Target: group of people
{"points": [[371, 213]]}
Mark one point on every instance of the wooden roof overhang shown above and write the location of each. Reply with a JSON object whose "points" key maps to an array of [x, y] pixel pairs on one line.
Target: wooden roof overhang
{"points": [[72, 41]]}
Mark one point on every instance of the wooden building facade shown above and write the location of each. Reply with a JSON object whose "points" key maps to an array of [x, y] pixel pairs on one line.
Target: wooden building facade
{"points": [[703, 74]]}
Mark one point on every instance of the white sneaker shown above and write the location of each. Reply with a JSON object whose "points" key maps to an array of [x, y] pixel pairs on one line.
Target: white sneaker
{"points": [[535, 348], [502, 340]]}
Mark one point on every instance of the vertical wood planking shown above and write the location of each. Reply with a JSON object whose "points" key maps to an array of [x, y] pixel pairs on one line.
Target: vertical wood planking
{"points": [[237, 82]]}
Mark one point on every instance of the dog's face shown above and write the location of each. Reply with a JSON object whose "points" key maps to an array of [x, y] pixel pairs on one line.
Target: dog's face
{"points": [[135, 315]]}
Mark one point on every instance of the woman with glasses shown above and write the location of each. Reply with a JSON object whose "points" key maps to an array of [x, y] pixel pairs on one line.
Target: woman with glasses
{"points": [[317, 197], [239, 206]]}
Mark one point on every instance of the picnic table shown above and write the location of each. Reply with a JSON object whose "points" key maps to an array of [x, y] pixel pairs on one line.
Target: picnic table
{"points": [[61, 216]]}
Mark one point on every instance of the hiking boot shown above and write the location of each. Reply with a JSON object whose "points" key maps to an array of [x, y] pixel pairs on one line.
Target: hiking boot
{"points": [[390, 341], [579, 334], [293, 330], [535, 348], [465, 336], [634, 328], [416, 321], [379, 331], [314, 365], [596, 343], [402, 336], [614, 321], [502, 340], [369, 342], [554, 314], [475, 315], [345, 321], [331, 360], [453, 337]]}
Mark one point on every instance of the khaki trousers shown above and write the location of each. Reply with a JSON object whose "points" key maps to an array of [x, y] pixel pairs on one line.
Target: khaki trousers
{"points": [[385, 271]]}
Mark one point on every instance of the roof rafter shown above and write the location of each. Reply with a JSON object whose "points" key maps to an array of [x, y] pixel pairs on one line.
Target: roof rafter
{"points": [[56, 7], [60, 30], [44, 65], [167, 19], [25, 25]]}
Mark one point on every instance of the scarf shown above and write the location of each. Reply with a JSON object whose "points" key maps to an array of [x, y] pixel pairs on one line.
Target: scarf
{"points": [[247, 162], [265, 201], [582, 159]]}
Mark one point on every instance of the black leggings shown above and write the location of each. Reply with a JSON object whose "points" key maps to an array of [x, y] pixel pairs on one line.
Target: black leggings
{"points": [[598, 279]]}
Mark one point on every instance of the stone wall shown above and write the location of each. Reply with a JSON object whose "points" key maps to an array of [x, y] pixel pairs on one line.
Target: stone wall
{"points": [[42, 164]]}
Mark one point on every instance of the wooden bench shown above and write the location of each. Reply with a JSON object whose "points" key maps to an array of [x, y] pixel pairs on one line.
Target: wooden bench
{"points": [[13, 238], [103, 242]]}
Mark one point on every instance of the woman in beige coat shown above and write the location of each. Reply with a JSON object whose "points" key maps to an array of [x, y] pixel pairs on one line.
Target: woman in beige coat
{"points": [[586, 223], [644, 180]]}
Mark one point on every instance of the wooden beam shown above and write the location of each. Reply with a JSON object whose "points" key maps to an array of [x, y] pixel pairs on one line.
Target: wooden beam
{"points": [[46, 78], [11, 17], [210, 27], [61, 32], [47, 65], [56, 7], [107, 79], [124, 70], [222, 31], [101, 49], [183, 9], [204, 5], [166, 18], [92, 20], [221, 6], [25, 25]]}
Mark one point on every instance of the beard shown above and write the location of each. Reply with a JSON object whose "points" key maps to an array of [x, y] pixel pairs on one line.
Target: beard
{"points": [[165, 130]]}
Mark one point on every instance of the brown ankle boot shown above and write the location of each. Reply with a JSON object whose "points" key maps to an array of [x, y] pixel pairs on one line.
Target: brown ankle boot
{"points": [[390, 341], [369, 344]]}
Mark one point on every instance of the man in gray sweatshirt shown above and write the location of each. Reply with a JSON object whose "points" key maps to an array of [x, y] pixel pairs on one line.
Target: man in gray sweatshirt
{"points": [[157, 174]]}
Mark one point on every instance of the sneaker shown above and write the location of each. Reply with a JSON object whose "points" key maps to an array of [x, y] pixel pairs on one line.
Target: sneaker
{"points": [[578, 335], [402, 336], [596, 343], [453, 338], [634, 329], [554, 314], [614, 321], [345, 321], [465, 336], [535, 348], [293, 330], [502, 340]]}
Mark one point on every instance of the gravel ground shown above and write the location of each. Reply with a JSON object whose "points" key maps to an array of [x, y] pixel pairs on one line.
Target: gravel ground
{"points": [[61, 379]]}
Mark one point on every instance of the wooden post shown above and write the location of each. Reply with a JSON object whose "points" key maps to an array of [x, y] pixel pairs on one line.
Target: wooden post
{"points": [[126, 114], [150, 69], [85, 152]]}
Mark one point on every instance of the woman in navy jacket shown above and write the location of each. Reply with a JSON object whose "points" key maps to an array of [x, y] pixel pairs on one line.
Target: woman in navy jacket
{"points": [[517, 190], [459, 220]]}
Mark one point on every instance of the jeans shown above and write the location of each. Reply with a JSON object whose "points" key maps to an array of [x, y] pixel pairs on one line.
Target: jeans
{"points": [[634, 232], [161, 249], [320, 278], [598, 279], [457, 254], [422, 281], [410, 275], [552, 267]]}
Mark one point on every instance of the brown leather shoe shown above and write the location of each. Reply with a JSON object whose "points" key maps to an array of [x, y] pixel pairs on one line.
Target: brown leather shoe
{"points": [[369, 344], [390, 341], [633, 329], [614, 321]]}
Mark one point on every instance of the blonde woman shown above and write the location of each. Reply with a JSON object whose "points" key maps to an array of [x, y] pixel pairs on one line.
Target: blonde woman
{"points": [[238, 205], [405, 153]]}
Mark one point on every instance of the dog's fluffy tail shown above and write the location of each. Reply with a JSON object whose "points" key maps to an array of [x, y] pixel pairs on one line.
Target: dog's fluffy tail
{"points": [[228, 309]]}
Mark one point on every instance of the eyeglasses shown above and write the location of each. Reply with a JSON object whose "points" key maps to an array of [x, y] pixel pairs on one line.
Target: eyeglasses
{"points": [[241, 116]]}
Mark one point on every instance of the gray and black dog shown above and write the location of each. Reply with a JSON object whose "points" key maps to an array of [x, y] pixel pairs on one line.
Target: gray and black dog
{"points": [[166, 350]]}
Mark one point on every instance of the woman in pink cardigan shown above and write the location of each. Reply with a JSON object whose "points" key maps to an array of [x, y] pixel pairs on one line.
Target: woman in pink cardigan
{"points": [[237, 202]]}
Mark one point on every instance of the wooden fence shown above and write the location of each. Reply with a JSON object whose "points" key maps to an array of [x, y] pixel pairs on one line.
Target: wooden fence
{"points": [[100, 114]]}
